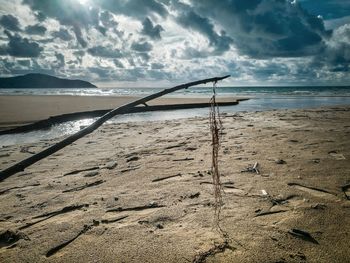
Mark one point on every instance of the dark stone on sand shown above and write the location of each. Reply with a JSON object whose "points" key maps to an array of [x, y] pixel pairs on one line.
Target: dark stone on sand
{"points": [[280, 161], [133, 158], [196, 195], [159, 226]]}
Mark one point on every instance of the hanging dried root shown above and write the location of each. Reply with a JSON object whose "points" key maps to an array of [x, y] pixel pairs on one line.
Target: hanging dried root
{"points": [[215, 128]]}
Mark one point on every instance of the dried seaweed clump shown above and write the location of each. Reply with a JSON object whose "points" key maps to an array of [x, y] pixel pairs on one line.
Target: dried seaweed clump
{"points": [[215, 129]]}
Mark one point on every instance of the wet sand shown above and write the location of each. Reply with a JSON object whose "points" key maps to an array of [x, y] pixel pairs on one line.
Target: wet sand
{"points": [[22, 109], [141, 192]]}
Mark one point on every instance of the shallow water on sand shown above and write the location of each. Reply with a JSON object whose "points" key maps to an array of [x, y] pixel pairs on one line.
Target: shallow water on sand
{"points": [[254, 104]]}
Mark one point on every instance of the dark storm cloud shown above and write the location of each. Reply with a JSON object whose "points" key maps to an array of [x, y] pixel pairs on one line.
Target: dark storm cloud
{"points": [[10, 22], [20, 47], [107, 52], [62, 34], [40, 16], [141, 46], [23, 62], [202, 24], [60, 59], [191, 53], [102, 30], [153, 31], [11, 67], [157, 66], [104, 74], [145, 57], [36, 30], [159, 74], [271, 69], [118, 64], [133, 74], [107, 19], [79, 36], [79, 54], [264, 29]]}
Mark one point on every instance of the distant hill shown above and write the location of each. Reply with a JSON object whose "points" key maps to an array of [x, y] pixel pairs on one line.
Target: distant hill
{"points": [[37, 81]]}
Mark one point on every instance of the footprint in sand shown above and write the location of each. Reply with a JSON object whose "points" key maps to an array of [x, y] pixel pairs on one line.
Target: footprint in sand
{"points": [[336, 156]]}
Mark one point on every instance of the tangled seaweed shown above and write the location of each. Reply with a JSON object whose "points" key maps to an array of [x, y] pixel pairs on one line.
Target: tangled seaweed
{"points": [[215, 129]]}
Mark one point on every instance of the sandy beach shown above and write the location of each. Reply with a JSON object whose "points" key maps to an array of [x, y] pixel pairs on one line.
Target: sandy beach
{"points": [[175, 131], [141, 192], [20, 109]]}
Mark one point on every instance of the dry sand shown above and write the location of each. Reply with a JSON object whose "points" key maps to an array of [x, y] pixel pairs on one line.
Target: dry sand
{"points": [[129, 217], [20, 109]]}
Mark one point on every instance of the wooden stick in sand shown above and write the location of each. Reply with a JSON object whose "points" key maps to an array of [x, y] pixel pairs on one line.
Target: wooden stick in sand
{"points": [[20, 166]]}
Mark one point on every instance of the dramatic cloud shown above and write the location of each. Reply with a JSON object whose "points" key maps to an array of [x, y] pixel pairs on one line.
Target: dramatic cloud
{"points": [[141, 47], [337, 53], [67, 12], [204, 26], [79, 36], [35, 30], [21, 47], [118, 63], [60, 59], [100, 51], [107, 19], [150, 30], [256, 41], [62, 34], [10, 22], [40, 16], [157, 66], [264, 29]]}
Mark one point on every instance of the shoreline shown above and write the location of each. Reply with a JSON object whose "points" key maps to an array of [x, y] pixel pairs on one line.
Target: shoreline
{"points": [[18, 110], [22, 109]]}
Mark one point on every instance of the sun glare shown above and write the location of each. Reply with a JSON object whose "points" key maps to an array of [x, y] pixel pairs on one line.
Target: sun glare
{"points": [[83, 2]]}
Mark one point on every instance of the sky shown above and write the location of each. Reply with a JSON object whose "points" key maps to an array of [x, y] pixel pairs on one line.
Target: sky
{"points": [[162, 42]]}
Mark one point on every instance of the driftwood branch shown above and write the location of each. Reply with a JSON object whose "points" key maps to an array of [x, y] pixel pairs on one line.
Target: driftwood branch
{"points": [[20, 166]]}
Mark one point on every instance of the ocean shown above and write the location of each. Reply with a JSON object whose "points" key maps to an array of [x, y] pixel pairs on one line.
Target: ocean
{"points": [[260, 99], [317, 91]]}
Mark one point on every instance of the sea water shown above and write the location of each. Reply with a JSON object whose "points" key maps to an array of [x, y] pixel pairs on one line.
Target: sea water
{"points": [[328, 91], [260, 99]]}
